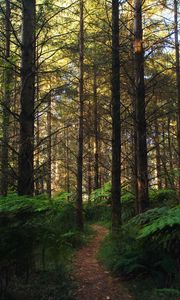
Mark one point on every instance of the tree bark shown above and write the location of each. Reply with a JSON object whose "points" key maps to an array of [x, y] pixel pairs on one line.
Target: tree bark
{"points": [[171, 168], [142, 168], [79, 202], [26, 151], [96, 133], [37, 158], [89, 171], [6, 106], [67, 162], [135, 165], [116, 134], [177, 83], [49, 149], [164, 158], [158, 156]]}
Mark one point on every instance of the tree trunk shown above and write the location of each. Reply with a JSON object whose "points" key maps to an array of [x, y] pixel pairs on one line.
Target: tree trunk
{"points": [[140, 110], [89, 177], [177, 83], [26, 151], [135, 167], [164, 158], [6, 106], [79, 202], [96, 133], [15, 131], [158, 156], [37, 160], [116, 134], [67, 162], [49, 148], [172, 185]]}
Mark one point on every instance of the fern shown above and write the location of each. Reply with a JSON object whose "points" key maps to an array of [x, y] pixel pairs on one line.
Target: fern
{"points": [[164, 229]]}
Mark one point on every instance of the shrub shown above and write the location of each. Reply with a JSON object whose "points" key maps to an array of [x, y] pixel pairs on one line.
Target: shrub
{"points": [[36, 235], [148, 245], [99, 208], [103, 193], [162, 197], [128, 205]]}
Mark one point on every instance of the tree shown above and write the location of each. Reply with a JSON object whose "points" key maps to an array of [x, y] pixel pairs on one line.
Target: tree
{"points": [[116, 139], [79, 213], [177, 67], [49, 148], [96, 131], [26, 150], [6, 103], [142, 171]]}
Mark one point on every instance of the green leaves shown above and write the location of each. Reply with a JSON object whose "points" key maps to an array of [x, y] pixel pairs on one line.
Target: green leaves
{"points": [[103, 193], [162, 197], [147, 247], [162, 226]]}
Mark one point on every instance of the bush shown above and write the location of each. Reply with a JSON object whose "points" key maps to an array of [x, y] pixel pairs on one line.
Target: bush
{"points": [[147, 246], [99, 208], [128, 205], [162, 197], [37, 235], [103, 193]]}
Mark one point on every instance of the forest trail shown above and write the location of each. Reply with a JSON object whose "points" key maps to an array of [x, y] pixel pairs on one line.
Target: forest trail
{"points": [[94, 282]]}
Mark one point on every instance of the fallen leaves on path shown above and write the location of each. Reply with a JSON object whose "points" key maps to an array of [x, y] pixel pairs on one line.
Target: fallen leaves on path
{"points": [[94, 282]]}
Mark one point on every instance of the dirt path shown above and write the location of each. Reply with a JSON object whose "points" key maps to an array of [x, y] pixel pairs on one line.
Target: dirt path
{"points": [[94, 283]]}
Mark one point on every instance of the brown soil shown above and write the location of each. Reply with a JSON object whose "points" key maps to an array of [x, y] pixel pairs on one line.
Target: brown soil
{"points": [[94, 282]]}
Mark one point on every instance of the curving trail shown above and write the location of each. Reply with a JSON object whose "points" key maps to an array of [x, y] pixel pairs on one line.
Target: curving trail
{"points": [[95, 283]]}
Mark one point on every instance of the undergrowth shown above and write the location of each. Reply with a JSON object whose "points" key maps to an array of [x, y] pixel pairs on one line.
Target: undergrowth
{"points": [[98, 209], [38, 239], [39, 236], [146, 250]]}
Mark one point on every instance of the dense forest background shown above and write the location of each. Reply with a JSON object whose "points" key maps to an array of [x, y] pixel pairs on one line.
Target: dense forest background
{"points": [[89, 132]]}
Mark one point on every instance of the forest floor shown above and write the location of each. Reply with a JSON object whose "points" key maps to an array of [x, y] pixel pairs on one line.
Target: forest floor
{"points": [[94, 282]]}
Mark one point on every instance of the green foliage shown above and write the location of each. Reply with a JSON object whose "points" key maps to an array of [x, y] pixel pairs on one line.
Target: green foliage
{"points": [[167, 293], [63, 196], [162, 197], [53, 284], [147, 246], [37, 235], [160, 225], [99, 208], [103, 193], [146, 289], [98, 212], [128, 205]]}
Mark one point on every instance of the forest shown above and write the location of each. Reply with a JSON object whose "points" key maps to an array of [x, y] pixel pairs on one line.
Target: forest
{"points": [[89, 150]]}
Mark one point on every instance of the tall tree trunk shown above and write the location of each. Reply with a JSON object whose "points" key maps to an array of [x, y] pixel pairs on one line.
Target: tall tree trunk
{"points": [[15, 131], [177, 83], [133, 99], [49, 148], [172, 185], [67, 162], [135, 177], [89, 177], [164, 158], [116, 134], [37, 160], [26, 151], [96, 133], [158, 155], [6, 106], [79, 202], [140, 110]]}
